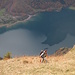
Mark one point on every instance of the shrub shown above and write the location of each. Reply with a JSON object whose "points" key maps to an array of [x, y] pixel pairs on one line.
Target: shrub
{"points": [[1, 58], [7, 55]]}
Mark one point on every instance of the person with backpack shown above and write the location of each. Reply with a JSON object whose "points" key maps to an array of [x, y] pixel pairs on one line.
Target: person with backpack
{"points": [[43, 54]]}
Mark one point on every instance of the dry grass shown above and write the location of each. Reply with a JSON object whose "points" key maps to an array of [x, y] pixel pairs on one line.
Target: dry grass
{"points": [[30, 65]]}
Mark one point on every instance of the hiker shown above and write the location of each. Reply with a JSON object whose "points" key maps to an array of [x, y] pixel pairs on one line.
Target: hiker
{"points": [[43, 54]]}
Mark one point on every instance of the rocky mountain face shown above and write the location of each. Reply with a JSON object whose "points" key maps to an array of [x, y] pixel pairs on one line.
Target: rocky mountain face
{"points": [[12, 10], [22, 7]]}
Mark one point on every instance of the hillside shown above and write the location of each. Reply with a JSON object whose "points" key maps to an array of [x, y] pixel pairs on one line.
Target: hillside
{"points": [[12, 11], [30, 65], [62, 51]]}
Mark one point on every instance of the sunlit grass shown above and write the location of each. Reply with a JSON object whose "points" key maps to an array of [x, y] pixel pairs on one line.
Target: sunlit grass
{"points": [[31, 65]]}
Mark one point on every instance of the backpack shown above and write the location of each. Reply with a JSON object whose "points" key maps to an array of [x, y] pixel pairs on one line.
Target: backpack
{"points": [[43, 54]]}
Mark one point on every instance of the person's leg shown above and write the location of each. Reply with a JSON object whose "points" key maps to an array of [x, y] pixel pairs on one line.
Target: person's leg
{"points": [[45, 60], [42, 59]]}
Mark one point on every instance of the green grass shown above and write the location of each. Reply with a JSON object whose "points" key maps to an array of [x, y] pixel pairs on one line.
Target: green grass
{"points": [[2, 12]]}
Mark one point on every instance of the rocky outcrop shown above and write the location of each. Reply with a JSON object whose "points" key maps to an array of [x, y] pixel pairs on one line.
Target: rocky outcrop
{"points": [[62, 51]]}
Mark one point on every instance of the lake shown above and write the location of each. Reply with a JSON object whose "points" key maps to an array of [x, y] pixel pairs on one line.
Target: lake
{"points": [[51, 30]]}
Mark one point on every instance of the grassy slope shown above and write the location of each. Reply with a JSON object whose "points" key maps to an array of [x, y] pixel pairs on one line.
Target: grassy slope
{"points": [[26, 65]]}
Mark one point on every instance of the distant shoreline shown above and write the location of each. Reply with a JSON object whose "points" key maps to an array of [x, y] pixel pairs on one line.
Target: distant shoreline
{"points": [[9, 25], [72, 8], [25, 20]]}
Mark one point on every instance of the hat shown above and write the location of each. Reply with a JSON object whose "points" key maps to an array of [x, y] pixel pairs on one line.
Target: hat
{"points": [[41, 50]]}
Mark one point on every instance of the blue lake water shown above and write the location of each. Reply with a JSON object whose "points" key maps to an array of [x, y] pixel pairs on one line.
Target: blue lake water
{"points": [[50, 30]]}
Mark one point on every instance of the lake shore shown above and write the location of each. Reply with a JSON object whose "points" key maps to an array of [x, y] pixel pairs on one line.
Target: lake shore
{"points": [[72, 8], [9, 25]]}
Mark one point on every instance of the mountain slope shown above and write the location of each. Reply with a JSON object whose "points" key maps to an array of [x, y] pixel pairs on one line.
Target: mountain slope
{"points": [[31, 65], [71, 53], [16, 10], [62, 51]]}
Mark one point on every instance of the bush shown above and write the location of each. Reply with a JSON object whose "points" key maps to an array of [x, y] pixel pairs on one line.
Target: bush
{"points": [[1, 58], [7, 55]]}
